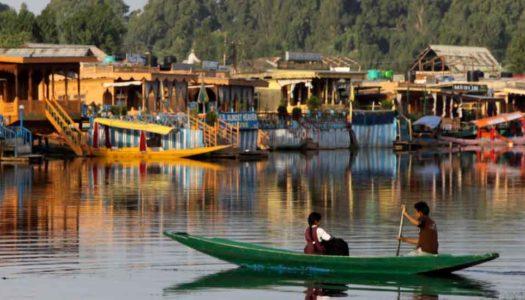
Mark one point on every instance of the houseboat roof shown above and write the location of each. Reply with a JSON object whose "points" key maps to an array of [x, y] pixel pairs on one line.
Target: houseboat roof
{"points": [[456, 59], [37, 53], [300, 61], [132, 72], [277, 74], [133, 125]]}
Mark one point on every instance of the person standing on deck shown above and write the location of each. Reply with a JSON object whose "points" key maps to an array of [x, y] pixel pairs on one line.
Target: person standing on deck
{"points": [[427, 243], [315, 235]]}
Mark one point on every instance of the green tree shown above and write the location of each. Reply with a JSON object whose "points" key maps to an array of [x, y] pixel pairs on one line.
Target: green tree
{"points": [[16, 28], [98, 22], [174, 27], [515, 53]]}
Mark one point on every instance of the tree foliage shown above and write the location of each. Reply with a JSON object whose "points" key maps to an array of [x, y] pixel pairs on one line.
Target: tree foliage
{"points": [[16, 28], [384, 34], [97, 22]]}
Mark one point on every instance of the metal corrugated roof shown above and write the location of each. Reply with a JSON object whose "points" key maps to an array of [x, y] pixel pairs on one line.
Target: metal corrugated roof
{"points": [[94, 49], [464, 58], [45, 52]]}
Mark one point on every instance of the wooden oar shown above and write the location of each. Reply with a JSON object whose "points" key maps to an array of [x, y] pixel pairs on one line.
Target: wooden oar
{"points": [[400, 234]]}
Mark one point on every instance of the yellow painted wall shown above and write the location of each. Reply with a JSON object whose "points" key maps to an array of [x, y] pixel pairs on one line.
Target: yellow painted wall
{"points": [[91, 90]]}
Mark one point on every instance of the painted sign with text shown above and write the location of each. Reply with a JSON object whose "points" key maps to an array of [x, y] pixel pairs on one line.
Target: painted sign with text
{"points": [[247, 120]]}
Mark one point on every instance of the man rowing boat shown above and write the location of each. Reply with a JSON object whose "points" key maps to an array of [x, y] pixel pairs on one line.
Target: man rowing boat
{"points": [[427, 242]]}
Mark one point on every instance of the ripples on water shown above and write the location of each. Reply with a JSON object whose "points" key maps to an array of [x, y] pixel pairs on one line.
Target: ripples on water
{"points": [[93, 229]]}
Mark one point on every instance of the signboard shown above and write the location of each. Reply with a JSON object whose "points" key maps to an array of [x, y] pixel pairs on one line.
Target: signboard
{"points": [[471, 88], [246, 120]]}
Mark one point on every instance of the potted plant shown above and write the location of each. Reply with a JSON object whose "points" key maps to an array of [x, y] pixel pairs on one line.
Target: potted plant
{"points": [[211, 118], [313, 103], [297, 113], [282, 112]]}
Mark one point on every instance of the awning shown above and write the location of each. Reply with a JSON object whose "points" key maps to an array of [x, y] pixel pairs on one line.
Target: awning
{"points": [[147, 127], [429, 121], [121, 84], [501, 118]]}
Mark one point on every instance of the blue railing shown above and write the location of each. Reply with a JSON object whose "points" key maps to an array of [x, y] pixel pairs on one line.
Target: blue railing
{"points": [[24, 134], [7, 133]]}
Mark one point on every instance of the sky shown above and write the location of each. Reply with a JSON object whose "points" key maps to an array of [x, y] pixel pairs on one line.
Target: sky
{"points": [[36, 6]]}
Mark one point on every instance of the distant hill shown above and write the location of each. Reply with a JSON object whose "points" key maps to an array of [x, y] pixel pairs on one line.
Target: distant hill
{"points": [[386, 34]]}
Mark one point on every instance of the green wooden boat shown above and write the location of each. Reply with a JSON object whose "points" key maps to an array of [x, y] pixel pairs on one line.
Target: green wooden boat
{"points": [[265, 258]]}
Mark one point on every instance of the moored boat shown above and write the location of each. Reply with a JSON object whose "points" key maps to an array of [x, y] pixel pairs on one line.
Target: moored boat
{"points": [[146, 140], [506, 129], [265, 258]]}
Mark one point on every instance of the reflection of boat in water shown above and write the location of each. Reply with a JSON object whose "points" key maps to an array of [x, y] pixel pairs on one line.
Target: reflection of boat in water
{"points": [[326, 285], [265, 258], [138, 162], [134, 139]]}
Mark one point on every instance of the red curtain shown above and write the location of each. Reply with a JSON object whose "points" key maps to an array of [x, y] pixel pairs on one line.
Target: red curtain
{"points": [[143, 145], [95, 136], [108, 139]]}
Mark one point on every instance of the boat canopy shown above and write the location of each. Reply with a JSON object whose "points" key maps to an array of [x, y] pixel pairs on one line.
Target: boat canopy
{"points": [[428, 121], [501, 118], [147, 127]]}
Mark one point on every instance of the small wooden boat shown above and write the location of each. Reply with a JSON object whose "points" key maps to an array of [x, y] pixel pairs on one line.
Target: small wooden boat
{"points": [[265, 258], [484, 132], [117, 139]]}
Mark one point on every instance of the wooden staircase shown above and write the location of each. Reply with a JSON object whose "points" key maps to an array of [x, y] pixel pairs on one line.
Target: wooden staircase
{"points": [[209, 132], [66, 127], [263, 140], [228, 134], [220, 134]]}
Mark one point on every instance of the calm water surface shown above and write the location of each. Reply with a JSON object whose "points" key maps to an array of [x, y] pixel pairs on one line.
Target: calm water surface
{"points": [[93, 229]]}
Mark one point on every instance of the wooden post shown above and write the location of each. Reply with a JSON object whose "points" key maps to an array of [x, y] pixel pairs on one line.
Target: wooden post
{"points": [[17, 86], [4, 90], [30, 85], [65, 85], [43, 91], [143, 95], [53, 84], [78, 86], [217, 105], [46, 84], [325, 93]]}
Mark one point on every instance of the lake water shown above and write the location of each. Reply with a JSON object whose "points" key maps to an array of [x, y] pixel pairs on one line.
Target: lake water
{"points": [[93, 229]]}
